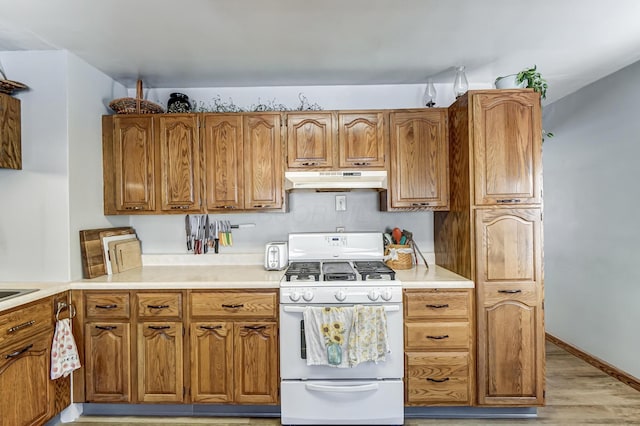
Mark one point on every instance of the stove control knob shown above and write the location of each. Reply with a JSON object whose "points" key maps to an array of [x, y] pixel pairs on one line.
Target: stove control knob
{"points": [[341, 295], [373, 295], [307, 295], [386, 294], [294, 296]]}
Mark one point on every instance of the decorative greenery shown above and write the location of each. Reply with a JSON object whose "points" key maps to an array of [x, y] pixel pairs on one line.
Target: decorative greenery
{"points": [[220, 105], [533, 80]]}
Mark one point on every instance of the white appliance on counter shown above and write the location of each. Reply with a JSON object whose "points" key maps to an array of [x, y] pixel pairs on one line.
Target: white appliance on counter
{"points": [[339, 269]]}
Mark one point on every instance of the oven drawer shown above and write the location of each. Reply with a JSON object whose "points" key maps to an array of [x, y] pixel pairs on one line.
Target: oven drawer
{"points": [[342, 402], [229, 304], [437, 377], [425, 304], [437, 335]]}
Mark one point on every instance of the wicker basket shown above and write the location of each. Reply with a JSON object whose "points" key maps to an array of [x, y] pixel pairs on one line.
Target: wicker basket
{"points": [[402, 256], [135, 105]]}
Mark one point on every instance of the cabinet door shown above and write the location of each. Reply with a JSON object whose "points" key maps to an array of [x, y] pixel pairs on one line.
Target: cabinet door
{"points": [[160, 362], [223, 161], [361, 140], [256, 362], [179, 158], [263, 161], [211, 361], [310, 140], [510, 315], [25, 392], [107, 362], [419, 159], [507, 138], [10, 133], [134, 163]]}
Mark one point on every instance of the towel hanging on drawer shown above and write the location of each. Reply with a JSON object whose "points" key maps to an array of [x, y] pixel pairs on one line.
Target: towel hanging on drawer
{"points": [[64, 352]]}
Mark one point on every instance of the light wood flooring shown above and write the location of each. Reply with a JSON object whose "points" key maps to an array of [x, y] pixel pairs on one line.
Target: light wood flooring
{"points": [[577, 394]]}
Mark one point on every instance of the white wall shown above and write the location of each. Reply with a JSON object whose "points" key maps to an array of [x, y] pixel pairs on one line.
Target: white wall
{"points": [[34, 242], [89, 94], [591, 233], [59, 189]]}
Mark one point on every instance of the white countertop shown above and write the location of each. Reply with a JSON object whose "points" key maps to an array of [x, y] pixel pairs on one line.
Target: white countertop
{"points": [[211, 276]]}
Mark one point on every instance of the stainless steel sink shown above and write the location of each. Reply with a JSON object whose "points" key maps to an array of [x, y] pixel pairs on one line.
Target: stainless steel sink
{"points": [[9, 293]]}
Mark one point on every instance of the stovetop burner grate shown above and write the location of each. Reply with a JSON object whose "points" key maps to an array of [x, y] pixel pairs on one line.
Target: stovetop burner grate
{"points": [[303, 271], [373, 270]]}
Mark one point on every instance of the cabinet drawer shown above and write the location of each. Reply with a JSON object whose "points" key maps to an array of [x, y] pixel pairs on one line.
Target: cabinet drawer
{"points": [[159, 305], [107, 305], [494, 293], [437, 335], [437, 377], [233, 304], [26, 321], [425, 305]]}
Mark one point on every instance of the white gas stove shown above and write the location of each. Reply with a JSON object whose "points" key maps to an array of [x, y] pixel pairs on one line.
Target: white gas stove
{"points": [[343, 268]]}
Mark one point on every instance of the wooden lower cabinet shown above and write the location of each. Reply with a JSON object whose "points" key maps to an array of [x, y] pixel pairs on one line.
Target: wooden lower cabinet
{"points": [[234, 347], [439, 361], [107, 361], [27, 394], [25, 388], [160, 362]]}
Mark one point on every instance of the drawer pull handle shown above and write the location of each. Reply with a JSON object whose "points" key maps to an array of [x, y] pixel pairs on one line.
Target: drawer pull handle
{"points": [[446, 379], [157, 306], [106, 327], [159, 327], [310, 164], [444, 305], [444, 336], [179, 207], [210, 327], [235, 306], [21, 326], [106, 306], [509, 200], [361, 164], [18, 352], [510, 291], [420, 204], [255, 327]]}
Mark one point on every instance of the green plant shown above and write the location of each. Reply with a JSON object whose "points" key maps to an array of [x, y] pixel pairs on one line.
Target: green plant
{"points": [[533, 80]]}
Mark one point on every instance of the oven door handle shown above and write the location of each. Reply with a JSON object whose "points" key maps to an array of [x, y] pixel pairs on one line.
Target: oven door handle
{"points": [[392, 308], [340, 389]]}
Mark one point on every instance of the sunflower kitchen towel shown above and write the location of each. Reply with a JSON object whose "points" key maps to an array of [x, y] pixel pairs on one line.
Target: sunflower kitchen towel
{"points": [[326, 335], [368, 339], [64, 353]]}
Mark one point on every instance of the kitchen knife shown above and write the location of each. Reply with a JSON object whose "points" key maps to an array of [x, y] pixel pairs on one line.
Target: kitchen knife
{"points": [[206, 234], [187, 228], [216, 237]]}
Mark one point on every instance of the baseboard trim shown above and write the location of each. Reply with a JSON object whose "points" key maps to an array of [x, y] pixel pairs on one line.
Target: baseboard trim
{"points": [[609, 369]]}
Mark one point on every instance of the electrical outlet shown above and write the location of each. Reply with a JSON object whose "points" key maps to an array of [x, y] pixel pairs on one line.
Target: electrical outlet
{"points": [[341, 203]]}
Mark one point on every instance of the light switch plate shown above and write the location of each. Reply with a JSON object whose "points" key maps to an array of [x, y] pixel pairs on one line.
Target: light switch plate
{"points": [[341, 203]]}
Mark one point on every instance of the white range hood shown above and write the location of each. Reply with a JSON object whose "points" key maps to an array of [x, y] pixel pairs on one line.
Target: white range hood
{"points": [[336, 179]]}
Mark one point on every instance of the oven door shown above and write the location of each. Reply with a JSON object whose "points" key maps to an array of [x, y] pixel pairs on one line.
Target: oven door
{"points": [[293, 363]]}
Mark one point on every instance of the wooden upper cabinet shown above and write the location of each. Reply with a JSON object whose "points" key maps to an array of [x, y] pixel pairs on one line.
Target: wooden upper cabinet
{"points": [[419, 159], [134, 162], [222, 149], [179, 157], [263, 168], [310, 140], [10, 133], [361, 139], [507, 134]]}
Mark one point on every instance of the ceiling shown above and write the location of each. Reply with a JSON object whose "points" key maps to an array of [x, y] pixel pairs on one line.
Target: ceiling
{"points": [[227, 43]]}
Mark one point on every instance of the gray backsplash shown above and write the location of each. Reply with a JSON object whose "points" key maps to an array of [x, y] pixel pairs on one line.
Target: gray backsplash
{"points": [[308, 212]]}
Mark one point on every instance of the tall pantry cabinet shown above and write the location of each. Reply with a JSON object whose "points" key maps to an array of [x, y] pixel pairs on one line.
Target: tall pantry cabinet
{"points": [[493, 235]]}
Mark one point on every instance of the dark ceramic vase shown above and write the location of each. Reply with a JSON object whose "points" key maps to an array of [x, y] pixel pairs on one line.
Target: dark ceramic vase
{"points": [[178, 102]]}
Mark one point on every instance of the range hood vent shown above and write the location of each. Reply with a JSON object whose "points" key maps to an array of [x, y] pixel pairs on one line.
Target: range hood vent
{"points": [[336, 180]]}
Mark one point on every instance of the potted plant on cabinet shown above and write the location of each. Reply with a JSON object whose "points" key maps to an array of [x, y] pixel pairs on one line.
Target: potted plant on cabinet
{"points": [[527, 78]]}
